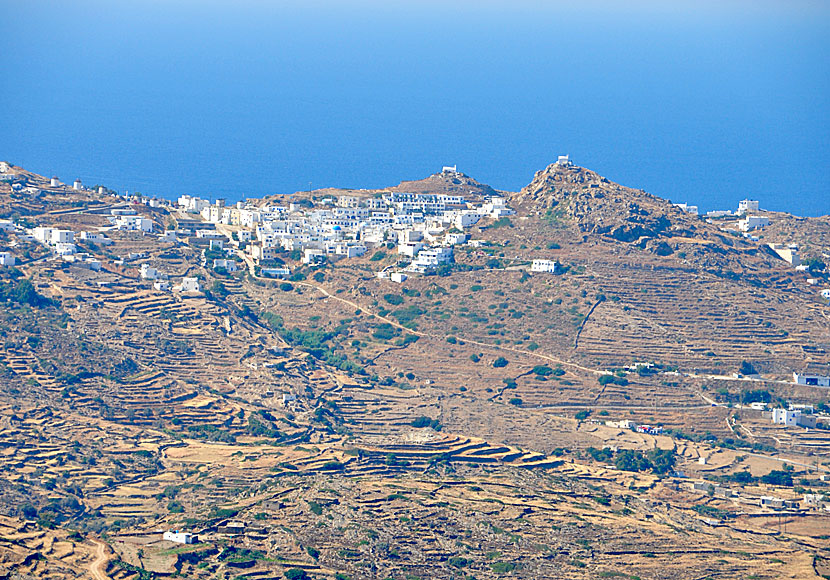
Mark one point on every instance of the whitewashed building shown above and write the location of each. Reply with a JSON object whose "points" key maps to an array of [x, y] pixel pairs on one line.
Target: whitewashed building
{"points": [[747, 205], [787, 252], [793, 418], [6, 259], [228, 265], [812, 379], [753, 222], [190, 285], [548, 266], [180, 537]]}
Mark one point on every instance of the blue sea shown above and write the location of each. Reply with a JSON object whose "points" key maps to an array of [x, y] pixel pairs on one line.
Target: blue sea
{"points": [[702, 102]]}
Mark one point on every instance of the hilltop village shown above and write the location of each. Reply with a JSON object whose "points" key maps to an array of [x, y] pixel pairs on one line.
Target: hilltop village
{"points": [[431, 380]]}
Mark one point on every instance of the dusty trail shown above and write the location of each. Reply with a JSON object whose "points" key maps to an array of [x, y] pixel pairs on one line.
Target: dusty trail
{"points": [[98, 566]]}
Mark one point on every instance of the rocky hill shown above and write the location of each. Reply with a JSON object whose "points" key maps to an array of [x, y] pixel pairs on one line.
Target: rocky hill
{"points": [[446, 182], [602, 209]]}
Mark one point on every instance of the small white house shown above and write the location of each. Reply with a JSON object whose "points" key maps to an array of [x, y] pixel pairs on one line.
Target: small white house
{"points": [[55, 182], [753, 222], [161, 285], [180, 537], [564, 160], [228, 265], [453, 239], [62, 237], [288, 398], [398, 277], [793, 418], [169, 236], [825, 293], [692, 209], [134, 224], [548, 266], [811, 379], [276, 272], [148, 272], [77, 186], [65, 249], [190, 285], [95, 238], [747, 205], [313, 256], [6, 259], [788, 252]]}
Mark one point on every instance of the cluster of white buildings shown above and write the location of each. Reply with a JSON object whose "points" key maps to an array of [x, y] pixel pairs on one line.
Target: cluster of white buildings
{"points": [[62, 242], [423, 227]]}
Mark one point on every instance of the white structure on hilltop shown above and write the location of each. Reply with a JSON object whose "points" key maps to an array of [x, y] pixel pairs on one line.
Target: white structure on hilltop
{"points": [[449, 169], [564, 160], [54, 182], [747, 205], [77, 186], [753, 222], [793, 418], [787, 252], [180, 537], [548, 266], [692, 209]]}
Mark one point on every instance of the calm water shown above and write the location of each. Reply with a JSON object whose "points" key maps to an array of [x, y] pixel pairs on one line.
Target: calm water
{"points": [[706, 102]]}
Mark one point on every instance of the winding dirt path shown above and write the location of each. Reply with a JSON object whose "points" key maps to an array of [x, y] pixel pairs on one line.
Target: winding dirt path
{"points": [[98, 567]]}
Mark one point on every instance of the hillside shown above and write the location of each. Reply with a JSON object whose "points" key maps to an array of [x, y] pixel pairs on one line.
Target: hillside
{"points": [[465, 420]]}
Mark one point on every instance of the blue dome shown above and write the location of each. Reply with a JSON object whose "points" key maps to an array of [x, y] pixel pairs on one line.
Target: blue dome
{"points": [[337, 228]]}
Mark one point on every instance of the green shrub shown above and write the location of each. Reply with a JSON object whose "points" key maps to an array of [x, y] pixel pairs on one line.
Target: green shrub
{"points": [[500, 362]]}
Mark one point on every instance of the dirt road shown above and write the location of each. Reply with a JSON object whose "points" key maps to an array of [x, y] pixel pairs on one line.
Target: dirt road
{"points": [[98, 567]]}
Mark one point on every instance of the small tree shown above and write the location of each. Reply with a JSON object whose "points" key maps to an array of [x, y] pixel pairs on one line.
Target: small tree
{"points": [[500, 362]]}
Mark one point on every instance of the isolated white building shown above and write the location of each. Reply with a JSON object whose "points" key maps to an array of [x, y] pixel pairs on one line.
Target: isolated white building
{"points": [[180, 537], [190, 285], [148, 272], [398, 277], [787, 252], [793, 418], [548, 266], [276, 272], [692, 209], [564, 160], [811, 379], [826, 293], [54, 182], [6, 259], [162, 285], [77, 186]]}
